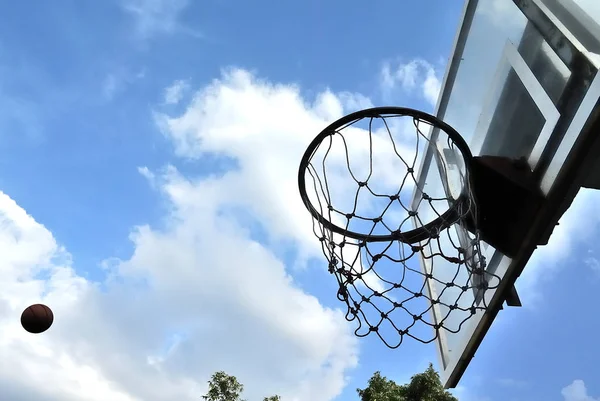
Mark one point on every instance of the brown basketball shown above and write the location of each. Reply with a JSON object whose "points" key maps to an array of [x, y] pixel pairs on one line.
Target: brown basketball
{"points": [[37, 318]]}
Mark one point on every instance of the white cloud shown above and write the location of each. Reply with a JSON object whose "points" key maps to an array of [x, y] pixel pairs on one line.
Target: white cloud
{"points": [[175, 92], [265, 128], [252, 306], [116, 82], [158, 16], [577, 391], [31, 362], [593, 263], [227, 299], [501, 13], [467, 394], [417, 74], [198, 295], [592, 7], [109, 86], [514, 383]]}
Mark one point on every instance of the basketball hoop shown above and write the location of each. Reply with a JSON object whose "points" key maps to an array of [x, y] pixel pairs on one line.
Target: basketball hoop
{"points": [[370, 253]]}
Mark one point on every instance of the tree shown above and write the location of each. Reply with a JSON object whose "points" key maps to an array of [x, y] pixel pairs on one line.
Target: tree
{"points": [[380, 389], [425, 386], [223, 387]]}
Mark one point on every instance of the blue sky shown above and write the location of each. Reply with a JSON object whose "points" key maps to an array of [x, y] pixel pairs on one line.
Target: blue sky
{"points": [[154, 145]]}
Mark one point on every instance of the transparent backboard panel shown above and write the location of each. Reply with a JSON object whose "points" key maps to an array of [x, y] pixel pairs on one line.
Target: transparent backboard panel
{"points": [[590, 7], [445, 177], [518, 116], [583, 12], [505, 101], [496, 23]]}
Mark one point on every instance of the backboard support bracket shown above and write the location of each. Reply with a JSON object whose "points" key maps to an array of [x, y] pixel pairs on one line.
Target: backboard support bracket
{"points": [[508, 198], [592, 179], [512, 297]]}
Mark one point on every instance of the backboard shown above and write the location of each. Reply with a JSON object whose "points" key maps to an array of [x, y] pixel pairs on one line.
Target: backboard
{"points": [[522, 82]]}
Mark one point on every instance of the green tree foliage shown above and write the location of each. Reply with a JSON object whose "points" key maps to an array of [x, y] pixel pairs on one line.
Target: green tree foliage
{"points": [[381, 389], [223, 387], [425, 386]]}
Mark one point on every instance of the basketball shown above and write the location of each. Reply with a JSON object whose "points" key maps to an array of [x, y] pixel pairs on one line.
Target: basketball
{"points": [[37, 318]]}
